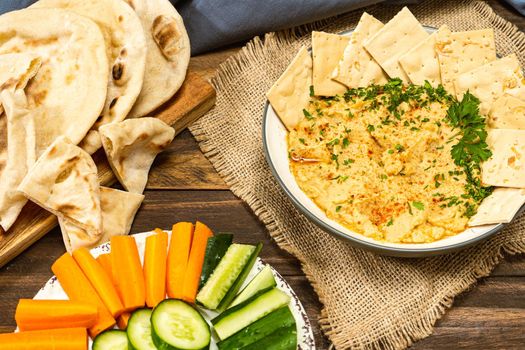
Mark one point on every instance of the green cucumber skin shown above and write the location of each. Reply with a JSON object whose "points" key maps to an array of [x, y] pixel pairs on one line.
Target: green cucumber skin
{"points": [[232, 292], [280, 318], [238, 306], [161, 344], [263, 280], [245, 314], [282, 339], [130, 327], [215, 249], [100, 344]]}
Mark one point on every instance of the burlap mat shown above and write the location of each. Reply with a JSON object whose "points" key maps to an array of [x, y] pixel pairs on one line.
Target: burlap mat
{"points": [[370, 301]]}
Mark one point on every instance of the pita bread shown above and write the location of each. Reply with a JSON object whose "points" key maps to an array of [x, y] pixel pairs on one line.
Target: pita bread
{"points": [[421, 63], [118, 210], [395, 39], [71, 84], [459, 52], [132, 145], [21, 154], [125, 49], [290, 94], [500, 207], [507, 112], [326, 50], [491, 81], [506, 167], [168, 53], [64, 181], [357, 68]]}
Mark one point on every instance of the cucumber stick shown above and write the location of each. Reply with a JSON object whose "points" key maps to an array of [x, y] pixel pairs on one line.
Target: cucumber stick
{"points": [[282, 339], [112, 339], [240, 316], [232, 292], [139, 330], [225, 275], [263, 280], [265, 327], [176, 325], [215, 249]]}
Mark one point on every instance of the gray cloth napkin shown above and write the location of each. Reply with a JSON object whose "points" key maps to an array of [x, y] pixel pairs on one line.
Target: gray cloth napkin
{"points": [[216, 23]]}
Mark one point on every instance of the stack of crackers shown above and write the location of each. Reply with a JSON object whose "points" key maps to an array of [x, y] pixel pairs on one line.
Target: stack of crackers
{"points": [[403, 48]]}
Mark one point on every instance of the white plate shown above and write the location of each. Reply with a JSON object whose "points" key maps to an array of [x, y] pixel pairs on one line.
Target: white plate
{"points": [[276, 151], [305, 338]]}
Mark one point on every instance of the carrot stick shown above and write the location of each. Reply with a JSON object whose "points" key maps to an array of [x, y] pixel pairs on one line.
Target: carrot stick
{"points": [[122, 320], [195, 261], [155, 255], [51, 339], [127, 271], [178, 254], [49, 314], [77, 287], [105, 261], [99, 280]]}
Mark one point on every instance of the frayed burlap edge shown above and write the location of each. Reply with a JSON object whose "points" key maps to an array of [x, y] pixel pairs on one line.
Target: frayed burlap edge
{"points": [[414, 329]]}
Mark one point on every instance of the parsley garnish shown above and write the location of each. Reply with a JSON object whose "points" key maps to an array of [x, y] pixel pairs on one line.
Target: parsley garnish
{"points": [[312, 93], [301, 140], [370, 128], [333, 142], [307, 114], [418, 205], [345, 142], [337, 209], [390, 222]]}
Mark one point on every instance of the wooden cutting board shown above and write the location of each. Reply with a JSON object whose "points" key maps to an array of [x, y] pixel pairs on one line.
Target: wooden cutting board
{"points": [[195, 97]]}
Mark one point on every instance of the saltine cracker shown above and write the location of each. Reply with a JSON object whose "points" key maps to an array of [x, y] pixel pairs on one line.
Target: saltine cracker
{"points": [[507, 112], [327, 49], [506, 167], [421, 62], [499, 207]]}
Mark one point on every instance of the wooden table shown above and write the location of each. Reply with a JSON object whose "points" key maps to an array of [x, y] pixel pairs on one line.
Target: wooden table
{"points": [[184, 186]]}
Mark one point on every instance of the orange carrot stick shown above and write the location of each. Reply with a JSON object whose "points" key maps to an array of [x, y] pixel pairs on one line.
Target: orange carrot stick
{"points": [[195, 261], [127, 271], [155, 255], [105, 261], [122, 320], [51, 339], [99, 280], [49, 314], [77, 287], [178, 254]]}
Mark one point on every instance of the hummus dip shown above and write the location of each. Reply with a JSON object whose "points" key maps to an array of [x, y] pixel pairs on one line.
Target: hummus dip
{"points": [[378, 161]]}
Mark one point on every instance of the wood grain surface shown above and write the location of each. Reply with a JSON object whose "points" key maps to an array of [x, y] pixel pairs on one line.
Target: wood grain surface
{"points": [[184, 186], [195, 97]]}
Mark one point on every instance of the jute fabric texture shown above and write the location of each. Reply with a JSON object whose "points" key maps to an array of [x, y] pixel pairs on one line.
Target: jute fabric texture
{"points": [[369, 301]]}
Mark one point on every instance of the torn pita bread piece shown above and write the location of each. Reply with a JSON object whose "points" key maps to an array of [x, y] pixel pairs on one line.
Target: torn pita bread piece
{"points": [[21, 154], [168, 54], [500, 207], [506, 167], [64, 181], [491, 81], [507, 112], [460, 52], [16, 69], [290, 94], [71, 84], [357, 68], [132, 145], [395, 39], [421, 63], [327, 49], [118, 211]]}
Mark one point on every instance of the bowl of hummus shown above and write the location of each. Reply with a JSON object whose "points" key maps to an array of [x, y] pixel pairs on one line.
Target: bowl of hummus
{"points": [[403, 168]]}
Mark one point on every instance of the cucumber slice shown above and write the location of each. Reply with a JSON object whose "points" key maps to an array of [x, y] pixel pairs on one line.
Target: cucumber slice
{"points": [[176, 325], [225, 275], [139, 330], [232, 292], [282, 339], [280, 318], [113, 339], [238, 317], [263, 280], [215, 249]]}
